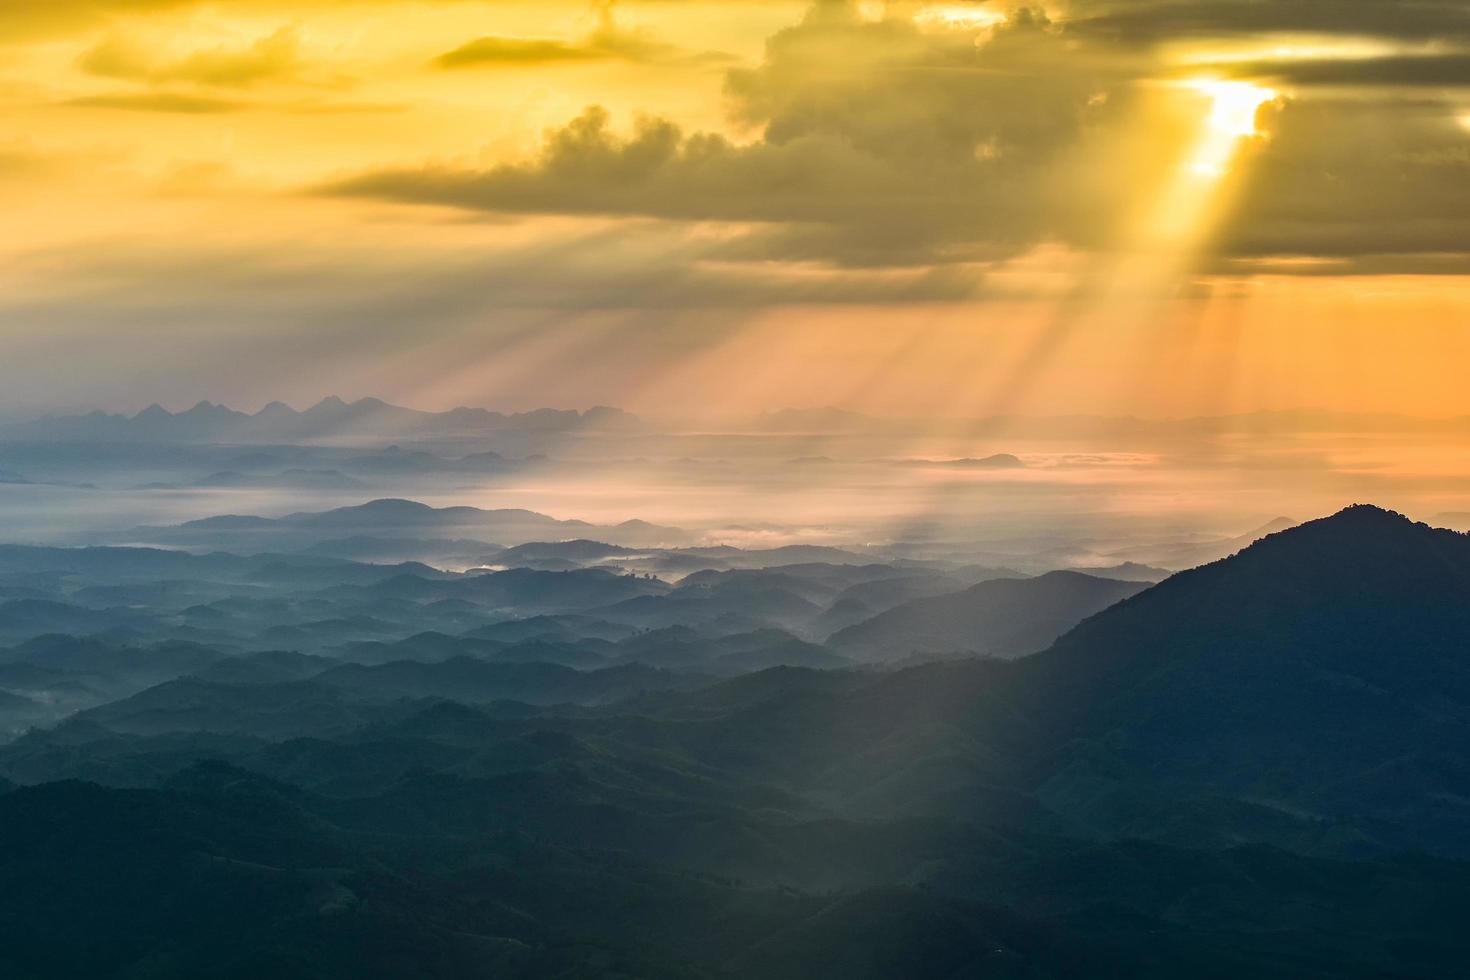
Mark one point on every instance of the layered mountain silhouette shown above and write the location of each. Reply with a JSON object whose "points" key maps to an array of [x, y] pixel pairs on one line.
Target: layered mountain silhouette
{"points": [[395, 518], [1260, 767], [330, 420], [1316, 685], [1322, 671]]}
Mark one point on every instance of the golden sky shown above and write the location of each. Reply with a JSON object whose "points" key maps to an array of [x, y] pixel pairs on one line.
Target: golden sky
{"points": [[1151, 207]]}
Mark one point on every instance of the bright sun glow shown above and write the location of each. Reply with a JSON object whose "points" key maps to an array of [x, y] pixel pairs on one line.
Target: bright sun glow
{"points": [[1234, 107], [1187, 206]]}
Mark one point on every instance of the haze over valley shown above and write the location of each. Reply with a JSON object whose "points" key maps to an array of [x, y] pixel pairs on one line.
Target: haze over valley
{"points": [[323, 676]]}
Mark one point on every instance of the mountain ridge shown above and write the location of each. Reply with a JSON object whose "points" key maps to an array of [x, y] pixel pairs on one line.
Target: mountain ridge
{"points": [[330, 419]]}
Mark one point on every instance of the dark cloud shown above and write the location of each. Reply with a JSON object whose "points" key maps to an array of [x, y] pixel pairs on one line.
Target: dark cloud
{"points": [[1430, 70], [21, 20], [1357, 177], [880, 145], [608, 42], [492, 50], [1163, 20]]}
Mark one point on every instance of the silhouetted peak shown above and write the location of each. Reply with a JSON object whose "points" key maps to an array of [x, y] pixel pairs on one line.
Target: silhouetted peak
{"points": [[331, 403], [210, 410], [1360, 526], [1372, 540], [154, 411], [1327, 564], [1066, 576], [1369, 514], [276, 410]]}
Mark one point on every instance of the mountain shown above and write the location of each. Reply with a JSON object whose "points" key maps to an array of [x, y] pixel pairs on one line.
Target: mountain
{"points": [[1321, 672], [391, 518], [1129, 571], [1256, 768], [330, 420], [998, 618], [1312, 691]]}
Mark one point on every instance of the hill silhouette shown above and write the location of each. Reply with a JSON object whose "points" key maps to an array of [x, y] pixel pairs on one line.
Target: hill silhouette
{"points": [[1256, 768], [1323, 670], [999, 618]]}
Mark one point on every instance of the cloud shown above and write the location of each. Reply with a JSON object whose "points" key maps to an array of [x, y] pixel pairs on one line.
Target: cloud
{"points": [[190, 104], [275, 57], [22, 21], [192, 83], [880, 144], [608, 42], [1405, 70], [26, 20], [1148, 21], [1349, 177], [492, 50]]}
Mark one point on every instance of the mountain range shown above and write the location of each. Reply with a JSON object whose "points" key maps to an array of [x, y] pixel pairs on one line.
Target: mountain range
{"points": [[391, 518], [329, 420], [1258, 767]]}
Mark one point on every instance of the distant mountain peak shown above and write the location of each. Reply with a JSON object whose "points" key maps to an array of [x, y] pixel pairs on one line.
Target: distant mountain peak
{"points": [[1370, 512], [209, 410], [1361, 558], [1359, 523], [394, 505], [364, 420], [276, 410]]}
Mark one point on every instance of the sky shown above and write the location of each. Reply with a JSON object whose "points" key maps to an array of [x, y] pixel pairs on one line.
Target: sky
{"points": [[710, 208]]}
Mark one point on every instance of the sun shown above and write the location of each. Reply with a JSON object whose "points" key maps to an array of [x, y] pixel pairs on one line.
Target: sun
{"points": [[1234, 107]]}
